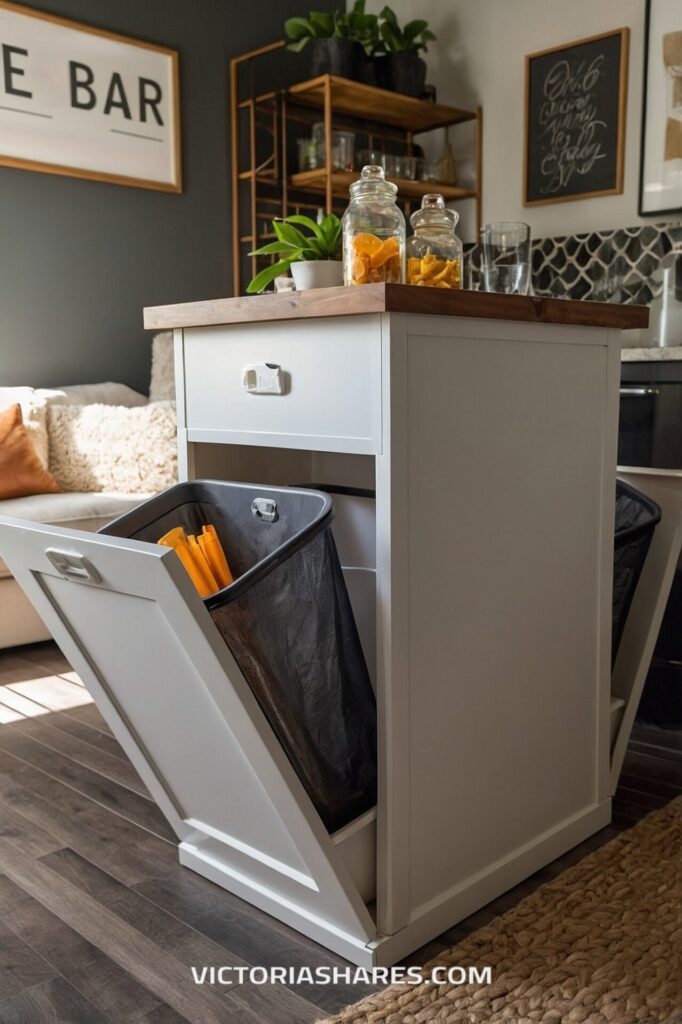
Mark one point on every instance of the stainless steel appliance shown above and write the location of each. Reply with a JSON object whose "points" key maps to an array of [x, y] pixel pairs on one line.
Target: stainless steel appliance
{"points": [[650, 432]]}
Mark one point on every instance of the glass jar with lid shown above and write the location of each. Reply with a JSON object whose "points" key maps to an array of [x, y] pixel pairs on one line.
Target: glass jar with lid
{"points": [[373, 231], [434, 252]]}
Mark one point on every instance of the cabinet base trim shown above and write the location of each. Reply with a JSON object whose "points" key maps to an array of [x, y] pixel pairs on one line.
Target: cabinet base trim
{"points": [[387, 950], [479, 890], [355, 950]]}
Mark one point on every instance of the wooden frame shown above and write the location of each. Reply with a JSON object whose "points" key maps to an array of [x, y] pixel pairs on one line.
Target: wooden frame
{"points": [[643, 135], [624, 34], [174, 111]]}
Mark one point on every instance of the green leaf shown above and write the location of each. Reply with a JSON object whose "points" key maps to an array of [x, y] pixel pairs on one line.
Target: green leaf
{"points": [[320, 253], [331, 230], [311, 252], [334, 243], [414, 28], [306, 222], [329, 223], [394, 43], [299, 44], [263, 279], [420, 44], [341, 26], [288, 233], [297, 28], [389, 16], [274, 248], [322, 23]]}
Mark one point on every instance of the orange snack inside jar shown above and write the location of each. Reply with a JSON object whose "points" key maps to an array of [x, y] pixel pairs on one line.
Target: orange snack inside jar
{"points": [[375, 260], [432, 272]]}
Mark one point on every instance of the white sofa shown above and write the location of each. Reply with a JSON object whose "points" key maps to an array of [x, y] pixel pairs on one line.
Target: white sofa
{"points": [[19, 623]]}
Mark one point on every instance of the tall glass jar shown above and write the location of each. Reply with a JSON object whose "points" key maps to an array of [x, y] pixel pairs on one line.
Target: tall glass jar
{"points": [[373, 231], [434, 252]]}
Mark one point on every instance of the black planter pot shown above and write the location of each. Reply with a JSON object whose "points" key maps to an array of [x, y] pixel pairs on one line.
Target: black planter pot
{"points": [[401, 72], [382, 72], [334, 56], [367, 72]]}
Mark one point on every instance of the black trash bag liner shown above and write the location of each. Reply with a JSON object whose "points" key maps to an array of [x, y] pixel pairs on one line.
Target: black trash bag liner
{"points": [[636, 520], [288, 622]]}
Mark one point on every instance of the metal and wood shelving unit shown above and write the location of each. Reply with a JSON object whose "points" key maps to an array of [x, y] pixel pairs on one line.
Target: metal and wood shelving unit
{"points": [[265, 125]]}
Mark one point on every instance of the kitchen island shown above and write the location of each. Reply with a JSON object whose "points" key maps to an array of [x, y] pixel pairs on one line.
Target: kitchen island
{"points": [[470, 444], [487, 426]]}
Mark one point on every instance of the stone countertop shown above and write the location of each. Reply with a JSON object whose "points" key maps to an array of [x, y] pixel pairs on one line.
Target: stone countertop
{"points": [[650, 355]]}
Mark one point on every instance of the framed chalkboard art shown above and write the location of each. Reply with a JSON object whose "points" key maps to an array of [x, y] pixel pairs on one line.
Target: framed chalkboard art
{"points": [[575, 119], [660, 186]]}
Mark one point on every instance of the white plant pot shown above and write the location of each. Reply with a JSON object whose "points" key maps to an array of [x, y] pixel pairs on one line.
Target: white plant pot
{"points": [[317, 274]]}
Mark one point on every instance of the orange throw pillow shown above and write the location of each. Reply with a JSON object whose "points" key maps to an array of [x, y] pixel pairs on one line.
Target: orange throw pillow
{"points": [[21, 471]]}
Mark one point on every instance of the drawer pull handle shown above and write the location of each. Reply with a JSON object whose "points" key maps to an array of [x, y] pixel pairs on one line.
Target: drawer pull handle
{"points": [[73, 566], [642, 392], [264, 379]]}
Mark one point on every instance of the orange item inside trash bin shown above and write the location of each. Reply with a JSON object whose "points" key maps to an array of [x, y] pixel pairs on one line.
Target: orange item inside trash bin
{"points": [[209, 542], [203, 558]]}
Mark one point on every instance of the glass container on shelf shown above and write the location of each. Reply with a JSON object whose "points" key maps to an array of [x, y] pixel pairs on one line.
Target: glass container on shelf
{"points": [[373, 231], [445, 168], [343, 148], [434, 252]]}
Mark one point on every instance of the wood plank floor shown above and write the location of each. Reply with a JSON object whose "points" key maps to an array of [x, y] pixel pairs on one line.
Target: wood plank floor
{"points": [[100, 925]]}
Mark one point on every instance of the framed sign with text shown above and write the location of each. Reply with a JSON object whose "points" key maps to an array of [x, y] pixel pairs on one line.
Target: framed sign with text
{"points": [[575, 119], [87, 103]]}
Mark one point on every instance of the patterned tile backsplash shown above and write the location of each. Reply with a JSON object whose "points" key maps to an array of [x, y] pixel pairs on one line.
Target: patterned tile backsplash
{"points": [[611, 265]]}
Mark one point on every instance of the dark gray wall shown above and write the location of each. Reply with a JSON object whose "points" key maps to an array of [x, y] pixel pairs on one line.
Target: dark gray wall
{"points": [[80, 259]]}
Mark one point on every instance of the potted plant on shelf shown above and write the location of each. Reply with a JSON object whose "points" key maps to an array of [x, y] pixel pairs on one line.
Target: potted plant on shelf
{"points": [[400, 67], [340, 41], [314, 259]]}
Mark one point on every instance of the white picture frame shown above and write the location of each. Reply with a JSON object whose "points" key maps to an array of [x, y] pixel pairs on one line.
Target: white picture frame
{"points": [[660, 187], [87, 103]]}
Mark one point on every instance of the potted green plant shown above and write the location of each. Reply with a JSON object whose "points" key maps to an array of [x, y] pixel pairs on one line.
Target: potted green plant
{"points": [[314, 259], [400, 67], [340, 42]]}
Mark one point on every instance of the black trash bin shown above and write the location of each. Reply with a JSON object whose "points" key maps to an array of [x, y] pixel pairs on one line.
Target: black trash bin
{"points": [[636, 520], [288, 622]]}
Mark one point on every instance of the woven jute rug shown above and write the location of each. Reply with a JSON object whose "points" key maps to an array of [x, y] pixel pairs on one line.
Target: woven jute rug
{"points": [[600, 943]]}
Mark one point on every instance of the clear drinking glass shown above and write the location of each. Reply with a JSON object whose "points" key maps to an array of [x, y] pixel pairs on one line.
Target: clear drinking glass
{"points": [[343, 148], [308, 155], [370, 156], [391, 165], [407, 167], [506, 257]]}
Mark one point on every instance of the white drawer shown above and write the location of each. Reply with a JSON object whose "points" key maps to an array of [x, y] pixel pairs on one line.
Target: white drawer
{"points": [[332, 377]]}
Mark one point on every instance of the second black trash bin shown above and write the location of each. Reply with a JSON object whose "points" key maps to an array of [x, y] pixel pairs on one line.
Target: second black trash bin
{"points": [[636, 519], [288, 622]]}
